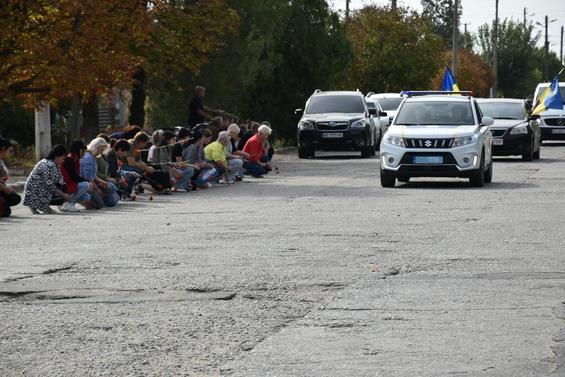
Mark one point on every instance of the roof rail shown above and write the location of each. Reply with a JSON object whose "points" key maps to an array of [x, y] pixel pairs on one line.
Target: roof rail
{"points": [[317, 91], [413, 93]]}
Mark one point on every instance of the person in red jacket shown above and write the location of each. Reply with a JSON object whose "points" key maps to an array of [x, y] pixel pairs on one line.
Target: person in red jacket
{"points": [[256, 151], [76, 186]]}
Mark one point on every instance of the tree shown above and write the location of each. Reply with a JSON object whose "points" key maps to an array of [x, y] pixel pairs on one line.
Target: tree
{"points": [[474, 73], [392, 51], [54, 50], [520, 62], [440, 14]]}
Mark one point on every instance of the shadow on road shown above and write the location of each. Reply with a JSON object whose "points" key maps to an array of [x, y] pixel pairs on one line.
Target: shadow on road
{"points": [[458, 185]]}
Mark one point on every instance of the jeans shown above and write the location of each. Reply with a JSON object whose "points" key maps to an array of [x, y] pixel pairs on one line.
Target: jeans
{"points": [[111, 198], [184, 181], [81, 195], [237, 167], [255, 168], [6, 201], [130, 179], [207, 175]]}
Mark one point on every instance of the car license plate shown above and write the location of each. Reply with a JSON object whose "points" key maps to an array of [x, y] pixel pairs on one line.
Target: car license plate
{"points": [[497, 142], [556, 131], [332, 135], [427, 160]]}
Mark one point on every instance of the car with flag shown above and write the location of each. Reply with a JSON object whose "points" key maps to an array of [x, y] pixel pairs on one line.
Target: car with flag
{"points": [[514, 132], [437, 134], [337, 121], [549, 106]]}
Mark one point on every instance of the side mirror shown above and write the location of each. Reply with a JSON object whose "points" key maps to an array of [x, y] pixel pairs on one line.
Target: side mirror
{"points": [[383, 114], [384, 121], [372, 111], [487, 121], [535, 116], [298, 111]]}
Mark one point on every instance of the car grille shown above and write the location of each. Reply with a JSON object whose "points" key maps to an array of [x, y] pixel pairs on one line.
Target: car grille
{"points": [[428, 143], [497, 133], [332, 126], [560, 122]]}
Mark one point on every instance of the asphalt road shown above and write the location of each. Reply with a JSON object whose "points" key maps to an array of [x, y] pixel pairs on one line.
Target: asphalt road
{"points": [[317, 271]]}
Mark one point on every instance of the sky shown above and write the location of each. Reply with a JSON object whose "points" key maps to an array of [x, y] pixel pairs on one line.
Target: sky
{"points": [[478, 12]]}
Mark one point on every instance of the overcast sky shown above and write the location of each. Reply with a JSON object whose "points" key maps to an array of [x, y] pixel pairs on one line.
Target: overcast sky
{"points": [[478, 12]]}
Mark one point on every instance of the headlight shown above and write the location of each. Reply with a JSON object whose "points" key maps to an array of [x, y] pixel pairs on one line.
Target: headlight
{"points": [[305, 125], [519, 130], [464, 140], [395, 140], [358, 124]]}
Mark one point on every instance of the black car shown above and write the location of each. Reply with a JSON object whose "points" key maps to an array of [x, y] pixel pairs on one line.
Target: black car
{"points": [[337, 121], [514, 132]]}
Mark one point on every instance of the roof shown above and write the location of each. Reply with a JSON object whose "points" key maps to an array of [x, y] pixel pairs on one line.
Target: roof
{"points": [[500, 100], [339, 93], [438, 98], [384, 95]]}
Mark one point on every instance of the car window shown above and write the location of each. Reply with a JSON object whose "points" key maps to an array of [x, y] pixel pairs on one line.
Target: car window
{"points": [[389, 103], [335, 104], [438, 113], [503, 110], [544, 87]]}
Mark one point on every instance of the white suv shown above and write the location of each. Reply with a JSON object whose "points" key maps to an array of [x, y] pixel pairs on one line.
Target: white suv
{"points": [[437, 135]]}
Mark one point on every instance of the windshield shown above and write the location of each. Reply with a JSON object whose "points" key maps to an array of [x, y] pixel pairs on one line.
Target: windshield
{"points": [[335, 104], [542, 88], [437, 113], [503, 110], [389, 103]]}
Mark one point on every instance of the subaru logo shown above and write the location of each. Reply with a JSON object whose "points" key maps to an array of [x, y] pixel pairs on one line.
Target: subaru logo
{"points": [[332, 124], [428, 143]]}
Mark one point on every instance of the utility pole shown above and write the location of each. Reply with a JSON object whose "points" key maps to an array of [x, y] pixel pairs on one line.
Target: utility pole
{"points": [[525, 21], [347, 10], [393, 6], [495, 53], [561, 51], [455, 38], [42, 130], [546, 52]]}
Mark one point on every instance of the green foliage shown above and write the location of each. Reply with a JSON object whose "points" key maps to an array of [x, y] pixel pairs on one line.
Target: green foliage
{"points": [[520, 61], [440, 14], [393, 51]]}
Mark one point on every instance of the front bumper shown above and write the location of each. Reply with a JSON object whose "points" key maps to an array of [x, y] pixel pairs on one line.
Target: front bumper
{"points": [[350, 139], [511, 145], [552, 133], [457, 162]]}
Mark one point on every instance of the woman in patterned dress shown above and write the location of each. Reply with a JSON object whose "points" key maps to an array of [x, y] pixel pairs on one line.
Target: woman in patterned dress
{"points": [[44, 181]]}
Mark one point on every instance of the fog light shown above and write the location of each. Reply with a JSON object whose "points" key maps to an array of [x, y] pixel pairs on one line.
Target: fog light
{"points": [[390, 160], [466, 160]]}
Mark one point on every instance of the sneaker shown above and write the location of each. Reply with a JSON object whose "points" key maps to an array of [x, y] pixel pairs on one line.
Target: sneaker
{"points": [[238, 178], [68, 207], [50, 211]]}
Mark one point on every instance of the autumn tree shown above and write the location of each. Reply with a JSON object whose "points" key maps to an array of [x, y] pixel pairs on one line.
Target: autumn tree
{"points": [[473, 72], [392, 51]]}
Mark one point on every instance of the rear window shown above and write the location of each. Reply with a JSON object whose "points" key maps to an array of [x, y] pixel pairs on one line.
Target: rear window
{"points": [[335, 104], [389, 103], [503, 110], [437, 113]]}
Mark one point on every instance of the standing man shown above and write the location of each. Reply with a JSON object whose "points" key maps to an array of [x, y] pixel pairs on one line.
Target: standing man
{"points": [[197, 111]]}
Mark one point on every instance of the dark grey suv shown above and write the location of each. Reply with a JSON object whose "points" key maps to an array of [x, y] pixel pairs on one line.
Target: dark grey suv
{"points": [[337, 121]]}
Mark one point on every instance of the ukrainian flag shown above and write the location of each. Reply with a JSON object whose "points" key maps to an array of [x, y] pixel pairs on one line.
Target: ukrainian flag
{"points": [[448, 83], [550, 98]]}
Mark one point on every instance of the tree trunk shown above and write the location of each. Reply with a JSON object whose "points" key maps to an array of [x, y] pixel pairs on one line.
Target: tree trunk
{"points": [[137, 108], [76, 118], [90, 118]]}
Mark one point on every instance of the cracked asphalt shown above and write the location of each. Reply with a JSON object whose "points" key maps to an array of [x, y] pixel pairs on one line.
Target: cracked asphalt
{"points": [[317, 271]]}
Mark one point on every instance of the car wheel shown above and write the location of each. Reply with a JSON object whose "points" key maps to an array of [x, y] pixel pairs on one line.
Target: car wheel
{"points": [[528, 154], [302, 153], [388, 179], [378, 144], [488, 173], [477, 178], [366, 151]]}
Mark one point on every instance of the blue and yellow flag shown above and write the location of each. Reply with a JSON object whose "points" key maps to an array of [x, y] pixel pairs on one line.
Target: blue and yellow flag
{"points": [[550, 98], [448, 83]]}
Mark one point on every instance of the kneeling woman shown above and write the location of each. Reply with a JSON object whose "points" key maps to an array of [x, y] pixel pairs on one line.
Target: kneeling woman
{"points": [[45, 181]]}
